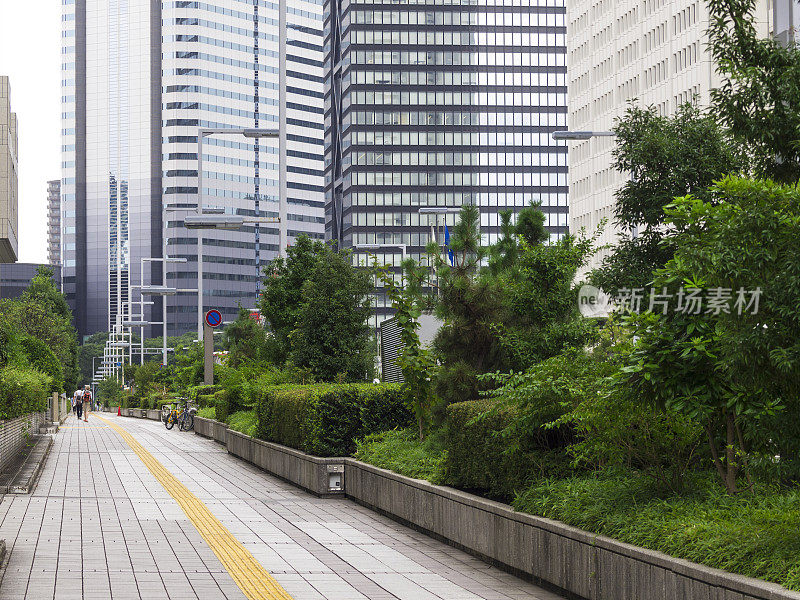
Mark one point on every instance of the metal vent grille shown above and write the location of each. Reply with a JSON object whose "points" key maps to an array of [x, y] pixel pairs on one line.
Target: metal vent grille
{"points": [[390, 349]]}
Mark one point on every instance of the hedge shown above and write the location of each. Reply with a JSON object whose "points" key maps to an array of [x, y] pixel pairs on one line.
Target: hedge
{"points": [[327, 419], [478, 458], [22, 391]]}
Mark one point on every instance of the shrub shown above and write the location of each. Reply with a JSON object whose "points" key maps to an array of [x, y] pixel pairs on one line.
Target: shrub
{"points": [[221, 405], [478, 458], [327, 419], [195, 392], [22, 391], [208, 412], [401, 451], [43, 359], [205, 400]]}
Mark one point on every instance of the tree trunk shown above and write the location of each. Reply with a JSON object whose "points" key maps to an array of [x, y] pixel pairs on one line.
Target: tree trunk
{"points": [[730, 454]]}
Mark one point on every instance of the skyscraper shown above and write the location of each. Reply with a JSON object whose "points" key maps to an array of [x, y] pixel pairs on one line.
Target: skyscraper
{"points": [[141, 77], [9, 217], [653, 52], [54, 222], [437, 106]]}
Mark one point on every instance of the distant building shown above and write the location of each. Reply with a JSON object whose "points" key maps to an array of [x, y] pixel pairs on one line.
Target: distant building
{"points": [[8, 176], [652, 51], [140, 78], [16, 277], [54, 222]]}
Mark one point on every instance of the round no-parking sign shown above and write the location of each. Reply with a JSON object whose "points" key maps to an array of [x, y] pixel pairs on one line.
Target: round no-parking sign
{"points": [[213, 318]]}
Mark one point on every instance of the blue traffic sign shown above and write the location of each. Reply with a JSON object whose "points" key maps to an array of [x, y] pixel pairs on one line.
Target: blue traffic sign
{"points": [[213, 318]]}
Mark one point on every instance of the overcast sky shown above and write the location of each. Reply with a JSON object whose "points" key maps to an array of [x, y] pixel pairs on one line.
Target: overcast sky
{"points": [[30, 54]]}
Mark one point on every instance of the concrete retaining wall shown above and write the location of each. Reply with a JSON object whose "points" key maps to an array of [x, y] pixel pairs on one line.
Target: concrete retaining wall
{"points": [[582, 564], [12, 434]]}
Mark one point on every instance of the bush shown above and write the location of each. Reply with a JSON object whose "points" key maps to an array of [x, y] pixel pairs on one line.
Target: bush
{"points": [[327, 419], [196, 392], [478, 458], [22, 391], [243, 421], [221, 405], [43, 359]]}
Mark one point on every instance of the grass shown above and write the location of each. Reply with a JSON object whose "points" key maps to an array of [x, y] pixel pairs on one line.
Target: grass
{"points": [[753, 533], [243, 421], [400, 451], [207, 412]]}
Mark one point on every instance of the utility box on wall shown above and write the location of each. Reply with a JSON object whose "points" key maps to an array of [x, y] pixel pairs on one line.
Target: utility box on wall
{"points": [[335, 478]]}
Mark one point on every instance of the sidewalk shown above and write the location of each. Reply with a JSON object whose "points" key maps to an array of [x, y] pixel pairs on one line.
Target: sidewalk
{"points": [[100, 524]]}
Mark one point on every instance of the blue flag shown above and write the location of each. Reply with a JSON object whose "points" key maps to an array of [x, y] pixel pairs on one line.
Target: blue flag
{"points": [[447, 243]]}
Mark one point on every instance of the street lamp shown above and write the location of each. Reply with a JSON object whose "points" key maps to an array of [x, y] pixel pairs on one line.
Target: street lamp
{"points": [[202, 133], [403, 247], [580, 135]]}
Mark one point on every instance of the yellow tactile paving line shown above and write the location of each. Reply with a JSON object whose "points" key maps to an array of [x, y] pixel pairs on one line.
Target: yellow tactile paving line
{"points": [[246, 571]]}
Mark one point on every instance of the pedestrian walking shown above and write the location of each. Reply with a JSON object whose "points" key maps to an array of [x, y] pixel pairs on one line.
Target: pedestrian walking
{"points": [[79, 403], [75, 402], [87, 402]]}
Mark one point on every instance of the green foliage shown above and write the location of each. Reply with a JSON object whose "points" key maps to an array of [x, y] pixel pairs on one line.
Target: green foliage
{"points": [[209, 412], [247, 341], [332, 338], [521, 309], [758, 99], [89, 354], [110, 392], [41, 358], [664, 157], [401, 451], [746, 240], [478, 457], [416, 363], [222, 406], [326, 419], [22, 391], [42, 312], [10, 348], [145, 378], [282, 293], [749, 534], [243, 421]]}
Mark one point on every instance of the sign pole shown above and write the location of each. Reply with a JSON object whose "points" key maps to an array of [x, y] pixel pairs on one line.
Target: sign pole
{"points": [[208, 355], [213, 319]]}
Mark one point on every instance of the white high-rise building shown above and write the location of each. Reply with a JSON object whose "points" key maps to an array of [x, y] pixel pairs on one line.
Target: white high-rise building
{"points": [[140, 78], [654, 51]]}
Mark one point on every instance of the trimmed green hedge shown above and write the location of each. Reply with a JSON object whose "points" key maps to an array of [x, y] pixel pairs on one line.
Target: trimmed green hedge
{"points": [[327, 419], [22, 391], [221, 405], [478, 458]]}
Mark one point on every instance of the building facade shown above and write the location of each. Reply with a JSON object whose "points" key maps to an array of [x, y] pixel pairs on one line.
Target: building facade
{"points": [[16, 277], [653, 52], [54, 222], [142, 77], [9, 218], [436, 106]]}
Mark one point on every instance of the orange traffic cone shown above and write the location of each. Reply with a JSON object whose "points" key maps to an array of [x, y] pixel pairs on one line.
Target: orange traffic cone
{"points": [[119, 411]]}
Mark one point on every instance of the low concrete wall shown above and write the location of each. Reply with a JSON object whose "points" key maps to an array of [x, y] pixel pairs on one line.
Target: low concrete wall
{"points": [[319, 476], [13, 434], [154, 414], [582, 564]]}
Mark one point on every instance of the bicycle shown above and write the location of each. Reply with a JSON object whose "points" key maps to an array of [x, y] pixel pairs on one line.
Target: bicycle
{"points": [[184, 417]]}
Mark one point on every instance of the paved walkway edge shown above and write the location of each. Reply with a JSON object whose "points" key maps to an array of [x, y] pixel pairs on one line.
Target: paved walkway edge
{"points": [[576, 562]]}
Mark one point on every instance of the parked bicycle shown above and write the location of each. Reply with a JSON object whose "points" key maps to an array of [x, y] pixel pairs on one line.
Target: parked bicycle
{"points": [[183, 416]]}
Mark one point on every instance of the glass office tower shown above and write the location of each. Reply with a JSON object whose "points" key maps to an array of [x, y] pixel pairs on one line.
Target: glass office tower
{"points": [[441, 104], [141, 77]]}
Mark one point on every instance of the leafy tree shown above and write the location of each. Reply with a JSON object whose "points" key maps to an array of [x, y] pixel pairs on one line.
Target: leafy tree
{"points": [[145, 377], [665, 157], [747, 241], [91, 349], [109, 391], [332, 337], [248, 342], [42, 312], [282, 293], [759, 99]]}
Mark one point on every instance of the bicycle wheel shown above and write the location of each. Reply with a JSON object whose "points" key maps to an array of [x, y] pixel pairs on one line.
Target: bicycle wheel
{"points": [[190, 419], [183, 422], [170, 421]]}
